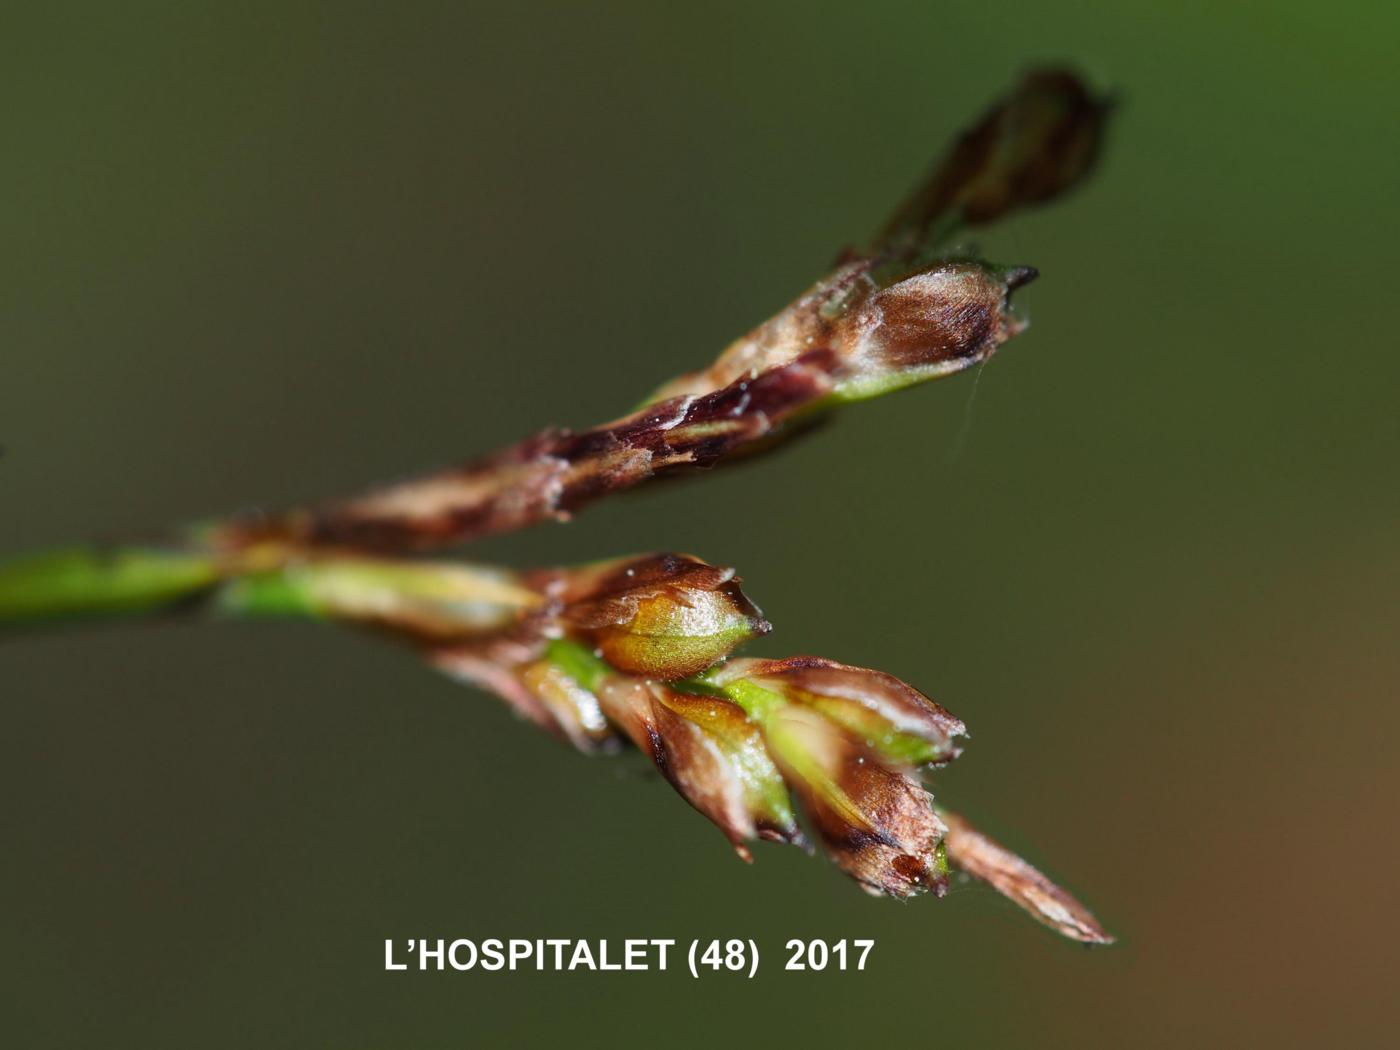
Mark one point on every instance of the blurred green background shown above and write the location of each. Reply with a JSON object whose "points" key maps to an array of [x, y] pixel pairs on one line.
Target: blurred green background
{"points": [[252, 256]]}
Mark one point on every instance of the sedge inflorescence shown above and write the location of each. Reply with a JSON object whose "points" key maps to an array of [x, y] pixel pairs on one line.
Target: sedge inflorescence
{"points": [[638, 651]]}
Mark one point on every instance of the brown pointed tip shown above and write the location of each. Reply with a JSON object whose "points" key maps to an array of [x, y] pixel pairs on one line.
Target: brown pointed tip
{"points": [[789, 836], [983, 858], [1020, 276]]}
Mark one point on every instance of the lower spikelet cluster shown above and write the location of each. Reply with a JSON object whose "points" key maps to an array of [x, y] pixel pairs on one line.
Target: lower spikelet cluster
{"points": [[638, 651]]}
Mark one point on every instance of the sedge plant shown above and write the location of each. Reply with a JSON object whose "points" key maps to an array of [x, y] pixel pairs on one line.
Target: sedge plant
{"points": [[638, 651]]}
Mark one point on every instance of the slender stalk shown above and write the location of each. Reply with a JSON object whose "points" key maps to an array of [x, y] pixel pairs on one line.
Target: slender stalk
{"points": [[87, 583], [91, 583]]}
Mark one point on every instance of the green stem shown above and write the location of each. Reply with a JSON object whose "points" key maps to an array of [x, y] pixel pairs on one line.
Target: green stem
{"points": [[580, 663], [426, 598], [429, 599], [89, 582]]}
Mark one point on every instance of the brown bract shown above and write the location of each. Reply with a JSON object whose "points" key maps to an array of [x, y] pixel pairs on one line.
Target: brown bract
{"points": [[496, 665], [848, 740], [986, 859], [878, 327], [875, 707], [954, 314], [574, 710], [1040, 141], [711, 754], [873, 817], [664, 616]]}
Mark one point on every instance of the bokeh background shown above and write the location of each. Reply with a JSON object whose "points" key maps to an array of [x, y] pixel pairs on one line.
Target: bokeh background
{"points": [[255, 255]]}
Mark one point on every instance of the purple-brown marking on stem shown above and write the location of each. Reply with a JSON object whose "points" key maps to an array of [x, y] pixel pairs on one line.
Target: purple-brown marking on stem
{"points": [[552, 474], [933, 322]]}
